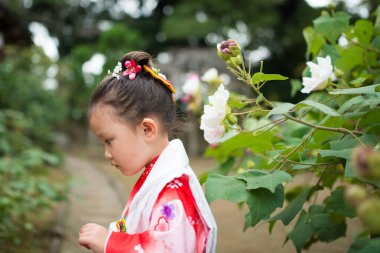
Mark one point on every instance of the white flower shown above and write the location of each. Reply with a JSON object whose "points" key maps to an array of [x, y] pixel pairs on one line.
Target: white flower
{"points": [[192, 84], [116, 71], [214, 114], [210, 75], [320, 74]]}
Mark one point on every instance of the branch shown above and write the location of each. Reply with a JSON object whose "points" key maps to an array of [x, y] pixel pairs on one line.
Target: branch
{"points": [[331, 129], [296, 148]]}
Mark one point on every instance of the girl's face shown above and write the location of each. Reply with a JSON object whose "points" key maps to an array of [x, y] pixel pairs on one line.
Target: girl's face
{"points": [[123, 145]]}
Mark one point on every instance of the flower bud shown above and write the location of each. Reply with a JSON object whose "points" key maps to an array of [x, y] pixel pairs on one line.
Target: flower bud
{"points": [[367, 162], [368, 212], [374, 165], [355, 194], [338, 73], [237, 60], [227, 49]]}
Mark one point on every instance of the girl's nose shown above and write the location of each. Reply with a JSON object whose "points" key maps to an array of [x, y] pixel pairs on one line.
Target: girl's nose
{"points": [[107, 154]]}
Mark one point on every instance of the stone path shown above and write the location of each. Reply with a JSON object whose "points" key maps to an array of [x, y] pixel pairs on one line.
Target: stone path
{"points": [[94, 197], [99, 192]]}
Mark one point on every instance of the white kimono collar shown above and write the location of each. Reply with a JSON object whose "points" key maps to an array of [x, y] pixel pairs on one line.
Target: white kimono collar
{"points": [[172, 163]]}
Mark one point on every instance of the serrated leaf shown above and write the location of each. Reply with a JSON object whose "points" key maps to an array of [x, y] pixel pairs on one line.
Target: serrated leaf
{"points": [[323, 108], [262, 203], [361, 90], [283, 108], [225, 187], [260, 77], [332, 27], [262, 179]]}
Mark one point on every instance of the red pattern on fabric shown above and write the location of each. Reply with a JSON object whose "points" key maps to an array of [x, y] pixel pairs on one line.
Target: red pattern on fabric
{"points": [[177, 189]]}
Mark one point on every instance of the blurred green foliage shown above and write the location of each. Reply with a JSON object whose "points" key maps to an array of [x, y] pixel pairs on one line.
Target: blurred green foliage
{"points": [[28, 114]]}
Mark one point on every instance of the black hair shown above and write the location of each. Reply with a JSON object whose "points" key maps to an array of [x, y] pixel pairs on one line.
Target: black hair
{"points": [[133, 100]]}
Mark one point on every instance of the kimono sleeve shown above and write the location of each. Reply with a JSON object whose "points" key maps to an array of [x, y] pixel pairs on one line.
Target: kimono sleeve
{"points": [[173, 227]]}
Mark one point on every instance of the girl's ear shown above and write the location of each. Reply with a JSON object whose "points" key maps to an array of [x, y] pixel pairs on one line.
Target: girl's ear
{"points": [[150, 128]]}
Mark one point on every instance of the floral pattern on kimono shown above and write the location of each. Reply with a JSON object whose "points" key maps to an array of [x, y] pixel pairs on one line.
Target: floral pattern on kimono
{"points": [[175, 223]]}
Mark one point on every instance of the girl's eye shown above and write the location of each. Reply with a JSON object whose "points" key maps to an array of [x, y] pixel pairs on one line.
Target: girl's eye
{"points": [[108, 142]]}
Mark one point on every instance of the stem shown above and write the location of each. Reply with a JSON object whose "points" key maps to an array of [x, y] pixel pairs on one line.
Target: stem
{"points": [[296, 148], [365, 47], [303, 163], [275, 123], [332, 129]]}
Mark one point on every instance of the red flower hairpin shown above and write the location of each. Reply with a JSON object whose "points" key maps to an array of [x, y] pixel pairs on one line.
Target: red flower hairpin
{"points": [[131, 69]]}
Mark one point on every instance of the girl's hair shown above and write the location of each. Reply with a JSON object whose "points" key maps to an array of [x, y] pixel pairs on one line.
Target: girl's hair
{"points": [[133, 100]]}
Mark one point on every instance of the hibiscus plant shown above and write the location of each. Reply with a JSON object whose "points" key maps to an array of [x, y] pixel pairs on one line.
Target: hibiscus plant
{"points": [[262, 145]]}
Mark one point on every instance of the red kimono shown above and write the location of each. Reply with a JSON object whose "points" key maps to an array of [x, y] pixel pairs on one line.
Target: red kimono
{"points": [[175, 222]]}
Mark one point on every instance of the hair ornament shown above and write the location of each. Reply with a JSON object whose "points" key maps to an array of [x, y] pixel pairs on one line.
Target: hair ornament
{"points": [[116, 71], [159, 76], [131, 69]]}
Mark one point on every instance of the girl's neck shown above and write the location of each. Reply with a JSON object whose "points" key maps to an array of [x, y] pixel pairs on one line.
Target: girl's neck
{"points": [[159, 147]]}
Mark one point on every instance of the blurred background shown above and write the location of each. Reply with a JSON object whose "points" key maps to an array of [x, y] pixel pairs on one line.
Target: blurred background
{"points": [[52, 55]]}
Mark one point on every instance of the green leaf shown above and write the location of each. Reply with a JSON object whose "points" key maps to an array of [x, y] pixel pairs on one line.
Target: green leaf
{"points": [[247, 221], [351, 56], [320, 136], [361, 90], [255, 143], [344, 153], [239, 143], [330, 50], [283, 108], [358, 81], [362, 31], [302, 232], [296, 86], [263, 179], [314, 41], [238, 104], [292, 209], [323, 108], [225, 187], [327, 227], [332, 27], [260, 77], [262, 203], [224, 167], [365, 245], [336, 203], [376, 42], [350, 103], [203, 177], [349, 142], [377, 22]]}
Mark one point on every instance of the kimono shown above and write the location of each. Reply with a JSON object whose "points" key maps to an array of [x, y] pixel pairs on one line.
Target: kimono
{"points": [[166, 211]]}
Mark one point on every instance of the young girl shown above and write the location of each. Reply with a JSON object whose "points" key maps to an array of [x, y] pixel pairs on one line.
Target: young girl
{"points": [[132, 112]]}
